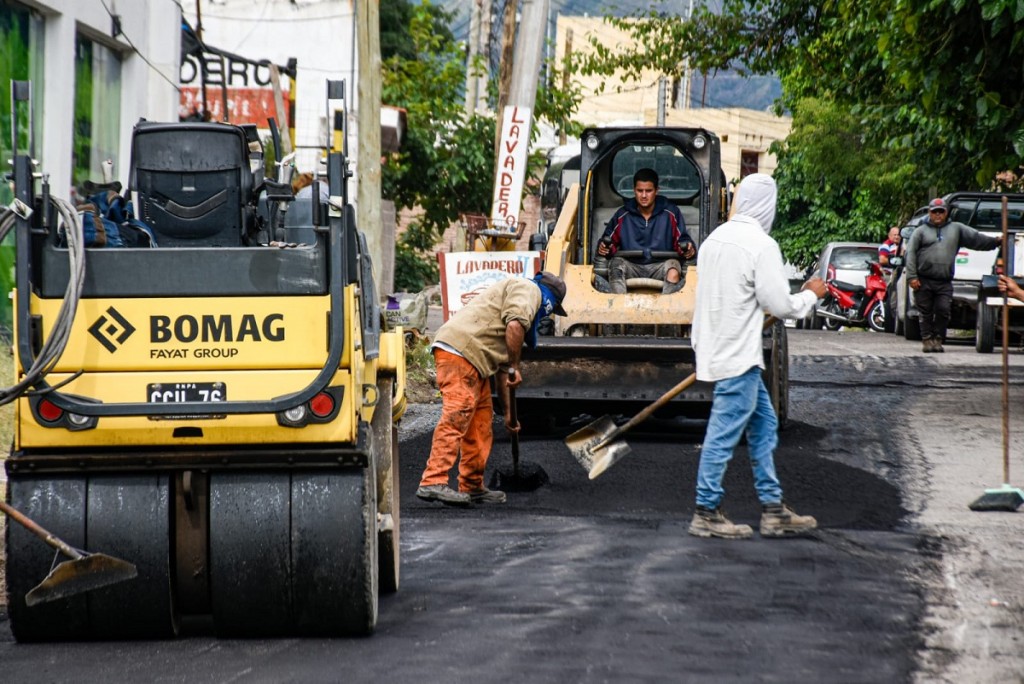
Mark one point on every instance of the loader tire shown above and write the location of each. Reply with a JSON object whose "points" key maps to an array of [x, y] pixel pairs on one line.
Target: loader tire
{"points": [[985, 335], [776, 375]]}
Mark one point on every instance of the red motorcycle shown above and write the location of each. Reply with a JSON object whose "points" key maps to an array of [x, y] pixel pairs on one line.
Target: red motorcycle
{"points": [[855, 305]]}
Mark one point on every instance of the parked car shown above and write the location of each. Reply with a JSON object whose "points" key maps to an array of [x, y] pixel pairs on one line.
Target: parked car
{"points": [[981, 211], [847, 262]]}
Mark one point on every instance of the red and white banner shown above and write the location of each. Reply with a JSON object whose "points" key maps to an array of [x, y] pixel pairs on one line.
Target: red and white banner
{"points": [[464, 275], [245, 105]]}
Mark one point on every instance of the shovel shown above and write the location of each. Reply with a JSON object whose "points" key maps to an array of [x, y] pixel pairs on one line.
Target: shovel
{"points": [[522, 478], [594, 445], [84, 572]]}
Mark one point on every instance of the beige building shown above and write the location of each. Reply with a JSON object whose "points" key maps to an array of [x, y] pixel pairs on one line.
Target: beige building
{"points": [[746, 134]]}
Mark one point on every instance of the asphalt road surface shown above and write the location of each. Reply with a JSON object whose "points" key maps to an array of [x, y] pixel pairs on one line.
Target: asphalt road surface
{"points": [[597, 581]]}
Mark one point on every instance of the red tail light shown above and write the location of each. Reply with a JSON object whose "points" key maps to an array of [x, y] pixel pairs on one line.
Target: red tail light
{"points": [[49, 411], [322, 405]]}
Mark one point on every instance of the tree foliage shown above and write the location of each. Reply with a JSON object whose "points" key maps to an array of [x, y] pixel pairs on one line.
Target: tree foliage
{"points": [[890, 99], [446, 161], [446, 164]]}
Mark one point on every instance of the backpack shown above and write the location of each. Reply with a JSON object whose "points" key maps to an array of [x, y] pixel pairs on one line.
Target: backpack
{"points": [[108, 220]]}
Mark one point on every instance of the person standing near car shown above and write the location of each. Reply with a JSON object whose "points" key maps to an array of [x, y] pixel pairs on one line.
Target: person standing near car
{"points": [[890, 248], [742, 276], [931, 259]]}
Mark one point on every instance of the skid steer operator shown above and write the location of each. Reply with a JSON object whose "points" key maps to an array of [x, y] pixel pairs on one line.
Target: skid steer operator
{"points": [[646, 223], [483, 339]]}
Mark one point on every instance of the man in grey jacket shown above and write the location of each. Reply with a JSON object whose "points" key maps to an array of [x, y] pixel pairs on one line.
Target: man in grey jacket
{"points": [[931, 256]]}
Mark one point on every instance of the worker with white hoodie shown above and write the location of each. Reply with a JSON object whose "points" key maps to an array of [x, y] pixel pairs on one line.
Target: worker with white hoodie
{"points": [[740, 278]]}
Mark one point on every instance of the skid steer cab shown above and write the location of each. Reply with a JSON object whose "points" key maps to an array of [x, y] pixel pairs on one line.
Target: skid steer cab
{"points": [[616, 353], [223, 411]]}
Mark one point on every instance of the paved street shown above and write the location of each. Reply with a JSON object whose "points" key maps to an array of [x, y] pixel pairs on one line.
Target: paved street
{"points": [[598, 581]]}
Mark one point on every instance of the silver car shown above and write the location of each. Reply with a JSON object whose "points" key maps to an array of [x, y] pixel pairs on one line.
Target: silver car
{"points": [[846, 262]]}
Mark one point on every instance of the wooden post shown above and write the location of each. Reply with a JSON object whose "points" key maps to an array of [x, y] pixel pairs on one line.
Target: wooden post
{"points": [[368, 184]]}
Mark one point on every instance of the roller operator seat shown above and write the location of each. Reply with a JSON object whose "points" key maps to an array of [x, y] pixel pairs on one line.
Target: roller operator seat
{"points": [[194, 183]]}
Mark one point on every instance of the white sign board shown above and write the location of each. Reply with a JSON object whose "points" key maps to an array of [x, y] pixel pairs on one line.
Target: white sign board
{"points": [[510, 172], [464, 275]]}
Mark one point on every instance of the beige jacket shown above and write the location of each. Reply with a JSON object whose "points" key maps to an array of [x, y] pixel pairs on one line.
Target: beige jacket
{"points": [[478, 329]]}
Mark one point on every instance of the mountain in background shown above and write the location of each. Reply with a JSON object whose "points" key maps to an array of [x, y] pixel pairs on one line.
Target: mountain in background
{"points": [[724, 89]]}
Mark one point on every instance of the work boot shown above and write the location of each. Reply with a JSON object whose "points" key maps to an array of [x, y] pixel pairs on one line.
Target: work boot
{"points": [[487, 496], [713, 523], [444, 494], [779, 520], [937, 345], [927, 345]]}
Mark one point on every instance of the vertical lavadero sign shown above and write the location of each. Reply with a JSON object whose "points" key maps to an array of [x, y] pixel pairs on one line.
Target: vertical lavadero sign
{"points": [[510, 172], [464, 275]]}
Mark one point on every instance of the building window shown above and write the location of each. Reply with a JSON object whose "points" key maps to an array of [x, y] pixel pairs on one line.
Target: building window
{"points": [[748, 163], [21, 59], [97, 119]]}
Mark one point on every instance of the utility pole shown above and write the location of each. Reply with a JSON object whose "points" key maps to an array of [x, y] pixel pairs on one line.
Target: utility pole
{"points": [[483, 48], [368, 187], [683, 96], [566, 58], [517, 117], [474, 46], [508, 40]]}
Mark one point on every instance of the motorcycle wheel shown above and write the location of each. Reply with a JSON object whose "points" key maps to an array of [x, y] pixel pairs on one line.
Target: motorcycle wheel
{"points": [[877, 317], [830, 323]]}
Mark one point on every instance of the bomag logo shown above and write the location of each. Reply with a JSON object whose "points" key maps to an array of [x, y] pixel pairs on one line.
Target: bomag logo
{"points": [[111, 330], [216, 328]]}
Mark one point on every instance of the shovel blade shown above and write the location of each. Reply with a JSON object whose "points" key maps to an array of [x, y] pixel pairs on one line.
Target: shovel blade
{"points": [[607, 456], [73, 577], [582, 442], [595, 447]]}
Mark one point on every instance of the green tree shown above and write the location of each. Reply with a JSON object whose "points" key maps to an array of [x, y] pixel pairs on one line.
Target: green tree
{"points": [[446, 162]]}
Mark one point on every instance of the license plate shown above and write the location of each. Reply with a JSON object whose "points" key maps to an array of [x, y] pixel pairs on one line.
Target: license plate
{"points": [[181, 392]]}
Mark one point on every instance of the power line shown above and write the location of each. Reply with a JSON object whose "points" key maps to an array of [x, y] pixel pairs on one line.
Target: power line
{"points": [[128, 40]]}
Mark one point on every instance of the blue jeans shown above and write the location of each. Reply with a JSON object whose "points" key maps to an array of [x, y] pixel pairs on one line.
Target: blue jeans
{"points": [[740, 404]]}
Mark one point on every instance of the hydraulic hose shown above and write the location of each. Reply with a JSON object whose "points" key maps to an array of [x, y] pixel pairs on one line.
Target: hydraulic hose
{"points": [[57, 340]]}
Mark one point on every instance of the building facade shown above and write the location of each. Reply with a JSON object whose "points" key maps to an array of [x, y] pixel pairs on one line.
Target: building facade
{"points": [[96, 67]]}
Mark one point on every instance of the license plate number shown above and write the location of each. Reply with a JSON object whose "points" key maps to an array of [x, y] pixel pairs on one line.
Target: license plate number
{"points": [[181, 392]]}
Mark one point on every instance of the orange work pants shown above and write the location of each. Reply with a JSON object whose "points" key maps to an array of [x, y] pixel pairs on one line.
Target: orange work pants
{"points": [[466, 417]]}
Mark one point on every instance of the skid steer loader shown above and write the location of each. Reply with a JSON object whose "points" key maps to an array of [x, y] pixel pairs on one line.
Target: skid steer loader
{"points": [[617, 353]]}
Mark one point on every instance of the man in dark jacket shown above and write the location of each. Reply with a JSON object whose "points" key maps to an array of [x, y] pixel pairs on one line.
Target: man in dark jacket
{"points": [[646, 224], [931, 257]]}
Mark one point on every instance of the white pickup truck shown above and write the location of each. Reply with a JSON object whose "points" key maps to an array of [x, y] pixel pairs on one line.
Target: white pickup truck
{"points": [[982, 211]]}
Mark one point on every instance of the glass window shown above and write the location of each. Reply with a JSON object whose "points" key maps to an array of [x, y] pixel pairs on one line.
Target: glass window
{"points": [[97, 120], [678, 176], [853, 257], [748, 163], [989, 215], [21, 59]]}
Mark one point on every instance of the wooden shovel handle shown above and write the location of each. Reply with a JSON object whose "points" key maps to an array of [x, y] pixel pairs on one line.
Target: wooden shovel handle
{"points": [[668, 396], [43, 534], [661, 401]]}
